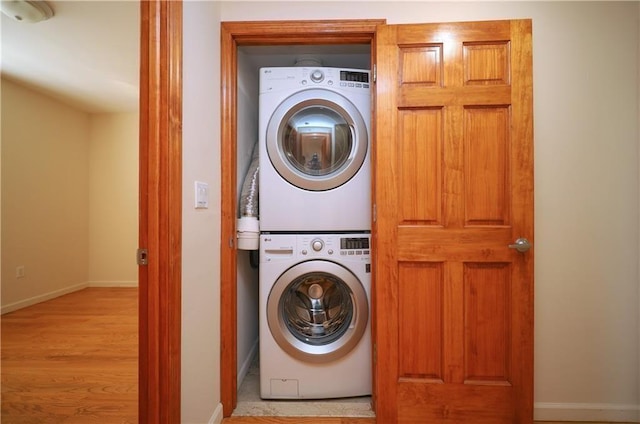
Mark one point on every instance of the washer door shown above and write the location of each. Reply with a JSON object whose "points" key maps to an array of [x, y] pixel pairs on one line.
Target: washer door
{"points": [[317, 140], [317, 311]]}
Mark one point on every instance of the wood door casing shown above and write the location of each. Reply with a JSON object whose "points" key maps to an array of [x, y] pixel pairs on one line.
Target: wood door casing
{"points": [[160, 216], [257, 33], [453, 187]]}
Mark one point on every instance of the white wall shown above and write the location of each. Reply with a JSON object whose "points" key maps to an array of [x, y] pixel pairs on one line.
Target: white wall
{"points": [[113, 199], [247, 277], [45, 191], [70, 210], [201, 228], [587, 190]]}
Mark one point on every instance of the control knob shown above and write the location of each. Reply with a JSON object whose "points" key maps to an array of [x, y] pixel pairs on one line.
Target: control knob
{"points": [[317, 75], [317, 245]]}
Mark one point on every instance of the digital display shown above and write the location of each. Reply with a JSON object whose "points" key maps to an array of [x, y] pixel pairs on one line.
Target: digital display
{"points": [[354, 243], [354, 76]]}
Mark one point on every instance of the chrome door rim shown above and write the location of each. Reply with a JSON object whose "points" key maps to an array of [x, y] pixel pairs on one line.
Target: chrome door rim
{"points": [[336, 102], [318, 353]]}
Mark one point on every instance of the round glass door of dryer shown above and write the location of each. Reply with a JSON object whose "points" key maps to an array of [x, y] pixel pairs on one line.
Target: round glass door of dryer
{"points": [[317, 140], [317, 311]]}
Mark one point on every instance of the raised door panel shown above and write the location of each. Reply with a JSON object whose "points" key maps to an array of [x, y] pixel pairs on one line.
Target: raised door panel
{"points": [[423, 329], [486, 165], [420, 157]]}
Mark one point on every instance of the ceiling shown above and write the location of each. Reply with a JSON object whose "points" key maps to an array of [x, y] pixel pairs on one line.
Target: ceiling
{"points": [[86, 55]]}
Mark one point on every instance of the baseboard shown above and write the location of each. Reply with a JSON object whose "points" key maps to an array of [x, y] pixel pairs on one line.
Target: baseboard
{"points": [[586, 412], [113, 284], [216, 418], [41, 298], [244, 369]]}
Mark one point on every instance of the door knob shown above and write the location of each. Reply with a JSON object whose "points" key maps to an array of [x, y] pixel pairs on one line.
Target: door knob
{"points": [[521, 245]]}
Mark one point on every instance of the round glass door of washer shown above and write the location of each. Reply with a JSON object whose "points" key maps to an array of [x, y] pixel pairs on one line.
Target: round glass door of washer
{"points": [[317, 311], [317, 140]]}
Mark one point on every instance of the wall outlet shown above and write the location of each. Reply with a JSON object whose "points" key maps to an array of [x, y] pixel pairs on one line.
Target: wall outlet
{"points": [[20, 271]]}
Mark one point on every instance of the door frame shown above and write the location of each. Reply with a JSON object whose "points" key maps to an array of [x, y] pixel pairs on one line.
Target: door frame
{"points": [[258, 33], [160, 211]]}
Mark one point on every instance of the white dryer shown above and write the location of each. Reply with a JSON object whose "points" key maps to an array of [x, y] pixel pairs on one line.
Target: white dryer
{"points": [[314, 138], [315, 337]]}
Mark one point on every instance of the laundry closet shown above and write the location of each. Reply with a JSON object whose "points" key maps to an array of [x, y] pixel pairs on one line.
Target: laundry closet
{"points": [[452, 209], [330, 231]]}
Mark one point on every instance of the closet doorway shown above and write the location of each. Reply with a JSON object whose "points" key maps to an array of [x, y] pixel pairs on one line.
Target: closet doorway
{"points": [[235, 35]]}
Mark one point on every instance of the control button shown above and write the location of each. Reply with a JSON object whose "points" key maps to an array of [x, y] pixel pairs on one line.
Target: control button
{"points": [[317, 76], [365, 85], [343, 253], [330, 251], [351, 252], [358, 252], [317, 245], [366, 252], [303, 82], [358, 85], [343, 84], [330, 82], [351, 84], [304, 251]]}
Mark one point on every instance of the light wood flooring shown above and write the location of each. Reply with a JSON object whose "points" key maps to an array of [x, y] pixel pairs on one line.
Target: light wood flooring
{"points": [[72, 360], [295, 420]]}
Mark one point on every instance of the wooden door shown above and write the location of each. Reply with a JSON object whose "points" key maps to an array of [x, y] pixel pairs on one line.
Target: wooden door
{"points": [[453, 188]]}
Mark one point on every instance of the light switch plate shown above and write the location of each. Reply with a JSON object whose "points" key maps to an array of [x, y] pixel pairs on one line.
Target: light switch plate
{"points": [[202, 195]]}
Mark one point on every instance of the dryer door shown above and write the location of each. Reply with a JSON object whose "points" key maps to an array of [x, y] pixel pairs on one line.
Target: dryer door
{"points": [[317, 139], [317, 311]]}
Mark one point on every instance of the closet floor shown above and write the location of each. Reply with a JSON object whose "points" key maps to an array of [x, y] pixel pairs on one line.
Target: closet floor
{"points": [[250, 403]]}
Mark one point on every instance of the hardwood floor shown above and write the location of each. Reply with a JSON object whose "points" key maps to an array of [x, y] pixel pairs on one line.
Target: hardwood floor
{"points": [[296, 420], [72, 360]]}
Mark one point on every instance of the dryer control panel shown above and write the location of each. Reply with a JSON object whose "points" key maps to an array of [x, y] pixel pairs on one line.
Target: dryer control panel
{"points": [[275, 79]]}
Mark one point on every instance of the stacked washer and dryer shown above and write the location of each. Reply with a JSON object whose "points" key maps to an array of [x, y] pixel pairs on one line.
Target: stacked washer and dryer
{"points": [[315, 222]]}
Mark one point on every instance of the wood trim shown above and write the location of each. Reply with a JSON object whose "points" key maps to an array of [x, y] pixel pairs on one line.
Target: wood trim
{"points": [[160, 211], [258, 33], [228, 206], [265, 33]]}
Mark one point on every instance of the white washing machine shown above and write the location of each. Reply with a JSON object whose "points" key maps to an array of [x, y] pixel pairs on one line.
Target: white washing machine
{"points": [[314, 138], [315, 337]]}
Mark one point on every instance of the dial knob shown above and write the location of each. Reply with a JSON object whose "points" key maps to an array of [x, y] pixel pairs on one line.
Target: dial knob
{"points": [[317, 75], [317, 245]]}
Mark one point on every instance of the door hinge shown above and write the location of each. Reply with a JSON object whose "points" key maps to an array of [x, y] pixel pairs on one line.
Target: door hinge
{"points": [[375, 213], [375, 353], [142, 256], [375, 72], [231, 240]]}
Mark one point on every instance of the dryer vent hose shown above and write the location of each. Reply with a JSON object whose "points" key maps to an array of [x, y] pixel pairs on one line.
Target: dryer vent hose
{"points": [[247, 226], [249, 194]]}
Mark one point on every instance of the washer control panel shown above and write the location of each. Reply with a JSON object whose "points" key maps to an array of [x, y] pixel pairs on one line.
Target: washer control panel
{"points": [[342, 247], [348, 246]]}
